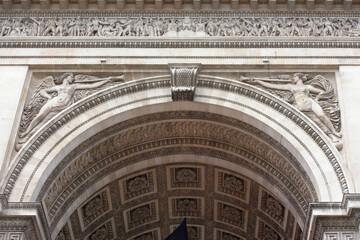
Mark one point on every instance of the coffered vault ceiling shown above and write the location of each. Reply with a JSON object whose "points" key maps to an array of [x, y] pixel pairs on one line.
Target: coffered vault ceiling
{"points": [[231, 180]]}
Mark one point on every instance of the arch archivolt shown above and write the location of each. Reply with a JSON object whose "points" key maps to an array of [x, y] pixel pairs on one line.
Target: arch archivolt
{"points": [[135, 126]]}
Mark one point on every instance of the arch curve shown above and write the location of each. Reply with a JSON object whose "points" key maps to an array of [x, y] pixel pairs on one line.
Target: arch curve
{"points": [[227, 120]]}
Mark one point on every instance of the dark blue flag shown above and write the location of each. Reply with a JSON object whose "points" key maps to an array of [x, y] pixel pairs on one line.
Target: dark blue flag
{"points": [[180, 233]]}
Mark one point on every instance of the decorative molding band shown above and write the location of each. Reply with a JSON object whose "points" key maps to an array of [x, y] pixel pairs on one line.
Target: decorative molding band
{"points": [[180, 57], [177, 43], [176, 13]]}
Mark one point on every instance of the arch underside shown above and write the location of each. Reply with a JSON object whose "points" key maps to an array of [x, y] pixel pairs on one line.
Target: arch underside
{"points": [[222, 154]]}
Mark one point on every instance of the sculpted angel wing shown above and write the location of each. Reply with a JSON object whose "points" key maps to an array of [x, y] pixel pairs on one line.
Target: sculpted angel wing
{"points": [[35, 103], [327, 99], [321, 82]]}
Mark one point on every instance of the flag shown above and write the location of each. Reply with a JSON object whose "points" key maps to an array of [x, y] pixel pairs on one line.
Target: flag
{"points": [[180, 233]]}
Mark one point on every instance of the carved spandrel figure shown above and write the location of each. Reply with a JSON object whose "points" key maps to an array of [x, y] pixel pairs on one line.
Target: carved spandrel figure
{"points": [[301, 94], [54, 95]]}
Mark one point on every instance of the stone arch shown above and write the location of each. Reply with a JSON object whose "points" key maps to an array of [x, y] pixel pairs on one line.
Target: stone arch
{"points": [[221, 103]]}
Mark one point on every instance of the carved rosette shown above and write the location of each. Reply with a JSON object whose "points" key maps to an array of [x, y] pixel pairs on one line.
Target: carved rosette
{"points": [[183, 81]]}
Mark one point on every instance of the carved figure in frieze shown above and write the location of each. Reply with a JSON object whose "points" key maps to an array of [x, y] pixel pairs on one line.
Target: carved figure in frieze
{"points": [[128, 27], [5, 27], [312, 96], [200, 26], [222, 27], [252, 26], [186, 24], [74, 27], [95, 27], [263, 27], [211, 27], [54, 95], [158, 27], [50, 27], [172, 26], [139, 27], [328, 29]]}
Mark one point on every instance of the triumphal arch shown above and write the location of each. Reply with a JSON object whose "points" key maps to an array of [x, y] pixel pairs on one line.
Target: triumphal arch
{"points": [[121, 117]]}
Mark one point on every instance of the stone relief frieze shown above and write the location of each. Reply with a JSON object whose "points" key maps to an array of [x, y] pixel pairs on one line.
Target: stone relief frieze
{"points": [[180, 27], [313, 95], [54, 94]]}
